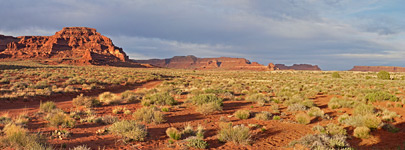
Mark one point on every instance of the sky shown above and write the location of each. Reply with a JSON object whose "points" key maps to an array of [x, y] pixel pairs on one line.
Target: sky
{"points": [[334, 34]]}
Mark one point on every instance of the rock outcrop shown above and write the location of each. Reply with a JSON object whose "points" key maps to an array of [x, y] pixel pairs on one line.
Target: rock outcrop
{"points": [[192, 62], [298, 67], [378, 68], [78, 45]]}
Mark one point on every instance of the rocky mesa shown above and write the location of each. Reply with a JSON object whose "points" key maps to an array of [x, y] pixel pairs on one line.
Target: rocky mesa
{"points": [[73, 45], [378, 68], [298, 67]]}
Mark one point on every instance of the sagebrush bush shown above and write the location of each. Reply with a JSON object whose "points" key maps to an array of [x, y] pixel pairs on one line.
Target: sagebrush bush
{"points": [[208, 108], [242, 114], [264, 115], [109, 98], [384, 75], [81, 147], [196, 142], [336, 75], [238, 134], [108, 119], [159, 99], [59, 118], [315, 112], [381, 96], [47, 106], [364, 109], [370, 121], [149, 115], [323, 142], [85, 101], [336, 103], [206, 98], [296, 107], [334, 129], [130, 96], [258, 98], [302, 118], [129, 130], [173, 133], [361, 132], [17, 137]]}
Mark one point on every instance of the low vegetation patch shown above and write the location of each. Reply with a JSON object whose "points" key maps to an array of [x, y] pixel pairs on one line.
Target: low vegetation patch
{"points": [[149, 115], [238, 134], [159, 99], [129, 130], [242, 114]]}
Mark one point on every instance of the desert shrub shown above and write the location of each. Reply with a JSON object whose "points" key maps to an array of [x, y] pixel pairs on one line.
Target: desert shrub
{"points": [[173, 133], [264, 115], [206, 98], [159, 99], [18, 137], [296, 107], [384, 75], [342, 118], [85, 101], [149, 115], [334, 129], [196, 142], [108, 119], [302, 118], [370, 121], [323, 141], [258, 98], [129, 130], [209, 108], [361, 132], [364, 109], [47, 106], [238, 134], [59, 118], [276, 117], [319, 128], [336, 75], [315, 112], [130, 96], [335, 103], [109, 98], [81, 147], [5, 119], [387, 115], [242, 114], [390, 128], [380, 96]]}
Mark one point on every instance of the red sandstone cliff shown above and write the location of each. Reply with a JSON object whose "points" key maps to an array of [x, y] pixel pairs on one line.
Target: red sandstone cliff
{"points": [[79, 45], [192, 62], [378, 68], [298, 67]]}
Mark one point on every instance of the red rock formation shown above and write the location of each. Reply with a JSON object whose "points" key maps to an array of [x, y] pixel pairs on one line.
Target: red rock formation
{"points": [[378, 68], [192, 62], [298, 67], [76, 44]]}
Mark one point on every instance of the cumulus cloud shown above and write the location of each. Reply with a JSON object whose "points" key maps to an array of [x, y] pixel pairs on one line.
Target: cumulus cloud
{"points": [[335, 34]]}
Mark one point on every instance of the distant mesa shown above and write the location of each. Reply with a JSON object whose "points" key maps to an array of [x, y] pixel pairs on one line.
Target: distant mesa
{"points": [[71, 45], [378, 68], [221, 63]]}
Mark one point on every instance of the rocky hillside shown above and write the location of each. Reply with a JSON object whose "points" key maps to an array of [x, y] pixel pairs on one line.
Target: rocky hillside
{"points": [[192, 62], [298, 67], [73, 45], [378, 68]]}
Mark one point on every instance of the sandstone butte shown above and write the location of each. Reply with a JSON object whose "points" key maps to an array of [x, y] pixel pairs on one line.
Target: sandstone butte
{"points": [[71, 45], [225, 63], [378, 68]]}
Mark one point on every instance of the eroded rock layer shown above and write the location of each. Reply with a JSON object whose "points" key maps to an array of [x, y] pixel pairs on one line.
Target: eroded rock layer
{"points": [[298, 67], [80, 45], [192, 62], [378, 68]]}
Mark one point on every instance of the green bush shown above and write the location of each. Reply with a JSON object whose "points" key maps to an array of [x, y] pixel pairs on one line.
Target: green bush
{"points": [[85, 101], [302, 118], [336, 75], [59, 118], [315, 112], [335, 103], [370, 121], [384, 75], [47, 106], [381, 96], [159, 99], [209, 108], [361, 132], [129, 130], [364, 109], [264, 115], [196, 142], [238, 134], [323, 142], [17, 137], [149, 115], [258, 98], [242, 114], [130, 96], [173, 133], [109, 98], [276, 117], [333, 129], [206, 98]]}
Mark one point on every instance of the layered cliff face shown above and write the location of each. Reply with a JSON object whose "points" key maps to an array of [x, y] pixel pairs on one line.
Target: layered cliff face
{"points": [[378, 68], [71, 44], [192, 62], [298, 67]]}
